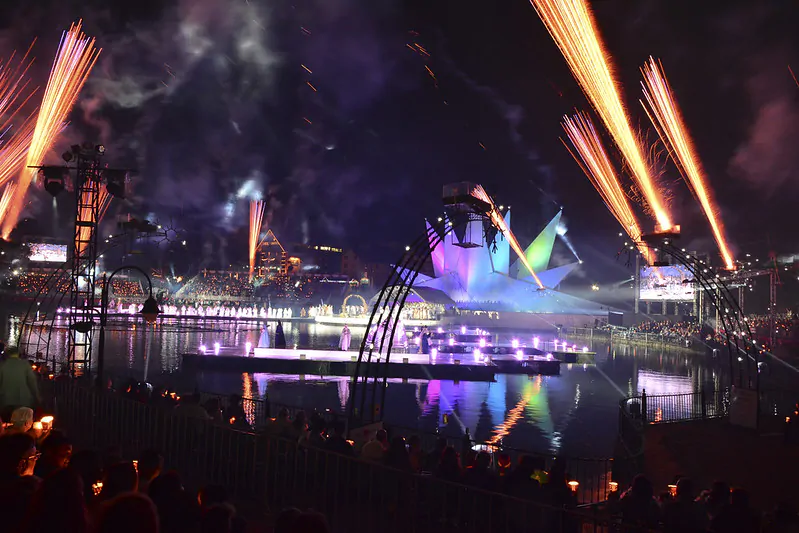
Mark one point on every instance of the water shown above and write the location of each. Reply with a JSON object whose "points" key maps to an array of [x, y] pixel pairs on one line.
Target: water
{"points": [[574, 413]]}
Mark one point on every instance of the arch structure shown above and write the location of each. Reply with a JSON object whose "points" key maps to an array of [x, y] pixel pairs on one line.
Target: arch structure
{"points": [[464, 212], [361, 302], [742, 348]]}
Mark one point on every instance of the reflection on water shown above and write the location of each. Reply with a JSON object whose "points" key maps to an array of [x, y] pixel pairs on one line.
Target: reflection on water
{"points": [[574, 413]]}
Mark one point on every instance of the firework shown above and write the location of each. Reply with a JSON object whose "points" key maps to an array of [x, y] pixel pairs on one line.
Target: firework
{"points": [[5, 199], [664, 113], [14, 95], [257, 208], [499, 221], [71, 67], [85, 232], [572, 27], [15, 150], [596, 164]]}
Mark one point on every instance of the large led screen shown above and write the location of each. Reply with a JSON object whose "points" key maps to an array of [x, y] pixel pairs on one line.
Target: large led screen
{"points": [[670, 283], [47, 253]]}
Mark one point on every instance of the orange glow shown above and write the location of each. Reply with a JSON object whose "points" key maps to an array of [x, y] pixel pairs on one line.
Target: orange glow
{"points": [[665, 115], [73, 62], [5, 200], [596, 164], [499, 221], [85, 232], [572, 27], [257, 208], [14, 95]]}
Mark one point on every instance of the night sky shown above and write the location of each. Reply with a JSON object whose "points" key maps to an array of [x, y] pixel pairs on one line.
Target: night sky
{"points": [[205, 96]]}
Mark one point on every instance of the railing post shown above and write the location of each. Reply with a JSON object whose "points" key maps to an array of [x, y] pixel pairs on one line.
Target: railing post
{"points": [[643, 406], [704, 405]]}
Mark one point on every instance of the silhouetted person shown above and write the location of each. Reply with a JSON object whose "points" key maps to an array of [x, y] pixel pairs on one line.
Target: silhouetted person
{"points": [[280, 337], [128, 513], [56, 452], [58, 505], [684, 513]]}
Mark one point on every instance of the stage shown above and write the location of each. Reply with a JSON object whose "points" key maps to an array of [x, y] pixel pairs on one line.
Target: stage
{"points": [[456, 367]]}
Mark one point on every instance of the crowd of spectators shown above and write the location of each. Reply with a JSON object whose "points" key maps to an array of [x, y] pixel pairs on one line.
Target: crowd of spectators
{"points": [[684, 509], [215, 285], [30, 283], [675, 330], [126, 288]]}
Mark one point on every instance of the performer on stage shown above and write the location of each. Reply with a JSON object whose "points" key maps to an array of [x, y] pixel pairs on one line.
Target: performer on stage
{"points": [[424, 344], [280, 338], [263, 342], [346, 338]]}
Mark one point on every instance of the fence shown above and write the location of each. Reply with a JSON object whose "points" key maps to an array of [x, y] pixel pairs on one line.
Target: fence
{"points": [[624, 334], [276, 473], [592, 474]]}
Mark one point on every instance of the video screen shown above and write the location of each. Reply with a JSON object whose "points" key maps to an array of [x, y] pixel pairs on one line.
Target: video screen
{"points": [[670, 283], [47, 253]]}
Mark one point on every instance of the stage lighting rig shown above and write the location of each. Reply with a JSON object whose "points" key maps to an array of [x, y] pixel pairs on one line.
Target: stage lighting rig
{"points": [[53, 179], [115, 182]]}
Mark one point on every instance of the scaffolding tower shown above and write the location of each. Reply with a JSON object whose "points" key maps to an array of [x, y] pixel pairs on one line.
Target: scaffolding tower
{"points": [[83, 304]]}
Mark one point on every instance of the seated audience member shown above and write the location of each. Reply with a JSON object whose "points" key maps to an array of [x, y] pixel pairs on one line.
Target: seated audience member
{"points": [[336, 442], [178, 512], [58, 505], [375, 450], [684, 513], [119, 479], [150, 464], [128, 513], [736, 516], [212, 496], [56, 451], [17, 484]]}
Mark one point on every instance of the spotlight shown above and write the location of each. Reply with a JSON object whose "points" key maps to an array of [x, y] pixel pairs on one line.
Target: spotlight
{"points": [[66, 156], [100, 149], [53, 178], [115, 182]]}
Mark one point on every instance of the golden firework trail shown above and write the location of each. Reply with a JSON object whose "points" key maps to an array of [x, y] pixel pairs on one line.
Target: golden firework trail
{"points": [[103, 202], [73, 62], [665, 115], [5, 199], [572, 27], [596, 164], [257, 208], [499, 221], [14, 95]]}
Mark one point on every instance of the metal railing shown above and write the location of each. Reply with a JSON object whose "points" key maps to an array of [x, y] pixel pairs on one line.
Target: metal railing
{"points": [[592, 474], [275, 472]]}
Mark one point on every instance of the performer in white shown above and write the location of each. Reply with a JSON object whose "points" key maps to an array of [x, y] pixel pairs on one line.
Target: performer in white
{"points": [[346, 339], [263, 342]]}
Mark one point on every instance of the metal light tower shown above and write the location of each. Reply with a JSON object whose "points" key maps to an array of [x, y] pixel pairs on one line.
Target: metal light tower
{"points": [[89, 177]]}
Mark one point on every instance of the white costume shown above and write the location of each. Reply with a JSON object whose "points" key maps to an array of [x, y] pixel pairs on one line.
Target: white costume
{"points": [[263, 342], [346, 339]]}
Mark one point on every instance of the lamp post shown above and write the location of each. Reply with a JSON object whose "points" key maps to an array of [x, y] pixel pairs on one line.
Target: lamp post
{"points": [[149, 311]]}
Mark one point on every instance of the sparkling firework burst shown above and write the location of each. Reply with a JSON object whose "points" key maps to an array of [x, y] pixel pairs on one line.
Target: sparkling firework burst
{"points": [[499, 221], [572, 27], [662, 109], [14, 95], [596, 164], [5, 199], [71, 67], [257, 208]]}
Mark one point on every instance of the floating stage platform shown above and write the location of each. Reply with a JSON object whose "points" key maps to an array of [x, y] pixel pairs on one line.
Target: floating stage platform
{"points": [[444, 366]]}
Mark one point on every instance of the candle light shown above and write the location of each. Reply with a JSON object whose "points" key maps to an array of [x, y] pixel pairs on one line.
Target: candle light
{"points": [[573, 485], [47, 422], [38, 426], [136, 465], [232, 419], [97, 488], [673, 490], [614, 486]]}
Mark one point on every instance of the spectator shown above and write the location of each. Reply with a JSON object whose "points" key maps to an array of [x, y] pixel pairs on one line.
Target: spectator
{"points": [[17, 459], [415, 452], [150, 464], [521, 482], [119, 478], [217, 519], [280, 337], [375, 450], [479, 475], [58, 505], [286, 520], [637, 505], [56, 451], [88, 464], [235, 415], [449, 467], [17, 383], [21, 420], [311, 522], [177, 511], [128, 513], [684, 513], [716, 498], [282, 423], [336, 442], [432, 459], [397, 455], [190, 406], [299, 427], [213, 406], [736, 516]]}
